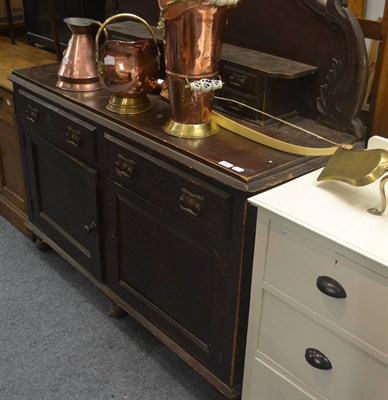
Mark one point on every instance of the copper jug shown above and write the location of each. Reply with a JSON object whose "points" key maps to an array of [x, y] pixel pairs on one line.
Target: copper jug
{"points": [[78, 69], [128, 69]]}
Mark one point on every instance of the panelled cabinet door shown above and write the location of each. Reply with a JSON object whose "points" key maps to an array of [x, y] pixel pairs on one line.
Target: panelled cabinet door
{"points": [[169, 271], [64, 200], [12, 191]]}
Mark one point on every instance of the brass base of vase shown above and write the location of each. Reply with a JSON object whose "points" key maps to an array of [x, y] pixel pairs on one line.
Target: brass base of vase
{"points": [[129, 105], [190, 131]]}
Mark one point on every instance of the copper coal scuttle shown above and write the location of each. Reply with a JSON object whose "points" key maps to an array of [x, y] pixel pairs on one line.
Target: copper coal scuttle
{"points": [[192, 32], [128, 69]]}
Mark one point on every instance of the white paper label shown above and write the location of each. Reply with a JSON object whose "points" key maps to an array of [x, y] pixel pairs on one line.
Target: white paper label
{"points": [[109, 60], [226, 164]]}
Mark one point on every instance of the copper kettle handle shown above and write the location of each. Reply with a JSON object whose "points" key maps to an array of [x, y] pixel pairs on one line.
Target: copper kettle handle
{"points": [[125, 15]]}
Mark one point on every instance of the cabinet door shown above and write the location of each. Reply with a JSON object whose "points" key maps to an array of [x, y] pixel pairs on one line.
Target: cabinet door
{"points": [[12, 190], [63, 194], [170, 272]]}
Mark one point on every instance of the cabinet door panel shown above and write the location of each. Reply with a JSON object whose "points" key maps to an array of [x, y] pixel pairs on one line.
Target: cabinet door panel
{"points": [[11, 174], [175, 279], [63, 200]]}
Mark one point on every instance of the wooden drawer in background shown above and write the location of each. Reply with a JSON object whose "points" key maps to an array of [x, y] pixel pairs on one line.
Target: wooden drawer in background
{"points": [[13, 205], [7, 112]]}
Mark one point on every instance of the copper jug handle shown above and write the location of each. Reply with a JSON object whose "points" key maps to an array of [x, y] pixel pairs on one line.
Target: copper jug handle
{"points": [[125, 15]]}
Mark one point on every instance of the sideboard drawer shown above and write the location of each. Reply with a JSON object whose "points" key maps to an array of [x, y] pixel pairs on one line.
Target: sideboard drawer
{"points": [[305, 270], [181, 194], [65, 130], [285, 337], [241, 79]]}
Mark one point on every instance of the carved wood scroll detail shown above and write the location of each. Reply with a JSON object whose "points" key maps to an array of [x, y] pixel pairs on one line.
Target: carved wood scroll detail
{"points": [[321, 33], [341, 96]]}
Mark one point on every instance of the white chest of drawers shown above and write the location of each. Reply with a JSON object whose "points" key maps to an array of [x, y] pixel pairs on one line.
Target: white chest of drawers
{"points": [[315, 241]]}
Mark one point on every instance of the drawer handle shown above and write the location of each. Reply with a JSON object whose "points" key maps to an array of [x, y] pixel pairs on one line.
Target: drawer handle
{"points": [[331, 287], [317, 359], [73, 137], [191, 203], [90, 228], [124, 166], [237, 79], [32, 114]]}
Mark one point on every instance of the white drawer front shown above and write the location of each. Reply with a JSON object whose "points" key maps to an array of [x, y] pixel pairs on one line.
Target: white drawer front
{"points": [[263, 383], [284, 336], [294, 263]]}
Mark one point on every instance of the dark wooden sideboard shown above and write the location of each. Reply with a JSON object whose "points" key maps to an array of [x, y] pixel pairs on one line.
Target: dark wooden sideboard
{"points": [[160, 224]]}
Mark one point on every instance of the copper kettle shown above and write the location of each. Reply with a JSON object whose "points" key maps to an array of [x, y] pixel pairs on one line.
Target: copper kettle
{"points": [[78, 69], [128, 69]]}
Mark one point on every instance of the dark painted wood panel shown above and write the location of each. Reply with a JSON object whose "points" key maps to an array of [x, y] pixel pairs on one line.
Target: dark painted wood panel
{"points": [[171, 272], [64, 200]]}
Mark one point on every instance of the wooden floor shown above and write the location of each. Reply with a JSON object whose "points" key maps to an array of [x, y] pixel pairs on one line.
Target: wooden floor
{"points": [[20, 55]]}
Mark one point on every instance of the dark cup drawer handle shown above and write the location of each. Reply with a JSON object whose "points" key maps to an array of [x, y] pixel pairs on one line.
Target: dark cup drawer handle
{"points": [[331, 287], [317, 359], [73, 137], [124, 166], [32, 114], [191, 203]]}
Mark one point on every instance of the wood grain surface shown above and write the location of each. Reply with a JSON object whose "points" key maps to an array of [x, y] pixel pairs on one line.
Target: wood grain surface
{"points": [[19, 55]]}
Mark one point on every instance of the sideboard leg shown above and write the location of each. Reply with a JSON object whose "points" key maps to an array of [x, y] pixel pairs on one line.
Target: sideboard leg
{"points": [[116, 311], [41, 245]]}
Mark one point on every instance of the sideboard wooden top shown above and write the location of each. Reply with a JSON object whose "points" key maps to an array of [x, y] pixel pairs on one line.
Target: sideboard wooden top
{"points": [[19, 55], [257, 167]]}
